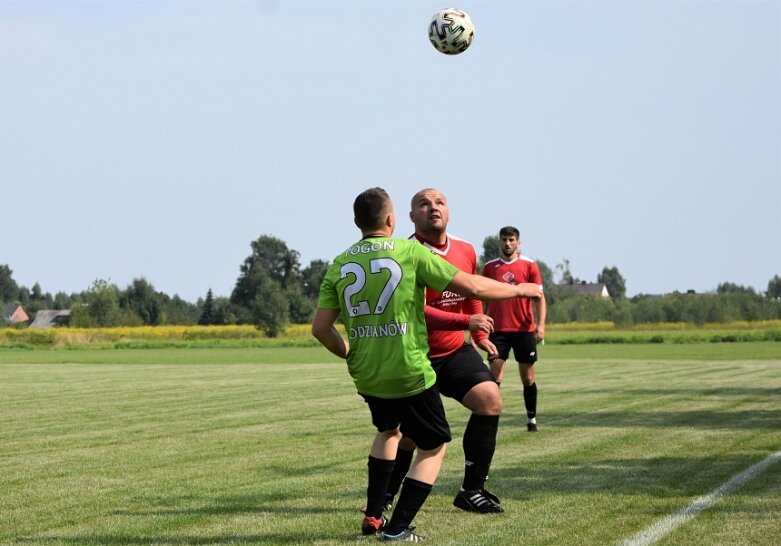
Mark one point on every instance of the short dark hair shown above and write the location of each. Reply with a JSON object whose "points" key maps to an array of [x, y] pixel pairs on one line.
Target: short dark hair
{"points": [[370, 208], [508, 231]]}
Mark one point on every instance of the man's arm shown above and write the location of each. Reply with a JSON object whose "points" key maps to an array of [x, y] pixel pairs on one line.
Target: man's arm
{"points": [[474, 308], [541, 308], [483, 288], [437, 319], [484, 303], [323, 329]]}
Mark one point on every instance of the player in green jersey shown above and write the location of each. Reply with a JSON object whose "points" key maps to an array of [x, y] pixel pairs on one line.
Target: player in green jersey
{"points": [[377, 285]]}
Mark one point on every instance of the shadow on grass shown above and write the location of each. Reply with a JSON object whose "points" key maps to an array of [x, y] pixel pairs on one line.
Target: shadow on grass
{"points": [[710, 420], [120, 539], [260, 503], [687, 392], [660, 477], [176, 507]]}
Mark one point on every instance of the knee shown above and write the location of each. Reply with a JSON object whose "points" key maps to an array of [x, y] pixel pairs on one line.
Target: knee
{"points": [[527, 375], [484, 399], [494, 404]]}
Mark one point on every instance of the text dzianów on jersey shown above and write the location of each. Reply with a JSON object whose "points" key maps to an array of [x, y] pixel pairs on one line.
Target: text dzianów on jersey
{"points": [[391, 329]]}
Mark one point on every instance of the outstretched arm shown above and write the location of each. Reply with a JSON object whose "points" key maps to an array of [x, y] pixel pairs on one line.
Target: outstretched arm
{"points": [[483, 288]]}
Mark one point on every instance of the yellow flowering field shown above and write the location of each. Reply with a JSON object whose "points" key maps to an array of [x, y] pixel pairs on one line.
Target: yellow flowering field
{"points": [[151, 336], [299, 335]]}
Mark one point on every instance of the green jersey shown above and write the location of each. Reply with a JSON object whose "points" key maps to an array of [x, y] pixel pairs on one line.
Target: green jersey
{"points": [[379, 284]]}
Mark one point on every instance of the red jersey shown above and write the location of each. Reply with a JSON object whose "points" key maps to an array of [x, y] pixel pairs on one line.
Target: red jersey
{"points": [[446, 331], [513, 315]]}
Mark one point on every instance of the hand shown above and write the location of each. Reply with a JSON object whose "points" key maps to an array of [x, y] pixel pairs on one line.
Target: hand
{"points": [[480, 322], [539, 334], [496, 365], [529, 290], [489, 348]]}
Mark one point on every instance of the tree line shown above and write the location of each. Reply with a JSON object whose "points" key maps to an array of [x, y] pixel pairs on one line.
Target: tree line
{"points": [[273, 289]]}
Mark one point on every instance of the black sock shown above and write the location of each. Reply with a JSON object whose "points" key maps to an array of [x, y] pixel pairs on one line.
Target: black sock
{"points": [[403, 462], [379, 473], [413, 495], [479, 446], [530, 400]]}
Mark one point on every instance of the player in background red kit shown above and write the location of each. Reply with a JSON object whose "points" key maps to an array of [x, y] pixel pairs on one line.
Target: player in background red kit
{"points": [[514, 325], [461, 371]]}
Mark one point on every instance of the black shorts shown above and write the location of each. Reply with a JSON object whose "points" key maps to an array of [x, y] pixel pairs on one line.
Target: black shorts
{"points": [[523, 344], [422, 417], [459, 371]]}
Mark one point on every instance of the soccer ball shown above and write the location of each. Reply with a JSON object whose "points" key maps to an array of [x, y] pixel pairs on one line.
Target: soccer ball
{"points": [[451, 31]]}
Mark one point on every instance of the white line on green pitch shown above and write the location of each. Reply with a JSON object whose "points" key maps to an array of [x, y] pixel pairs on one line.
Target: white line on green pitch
{"points": [[663, 527]]}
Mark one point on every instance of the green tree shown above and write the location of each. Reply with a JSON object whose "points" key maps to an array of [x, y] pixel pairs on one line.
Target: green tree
{"points": [[729, 287], [61, 301], [547, 275], [301, 309], [566, 274], [271, 264], [226, 312], [774, 288], [552, 291], [614, 281], [492, 248], [141, 299], [37, 300], [208, 312], [9, 290], [270, 308], [100, 306], [275, 260], [270, 259], [178, 311], [312, 277], [23, 296]]}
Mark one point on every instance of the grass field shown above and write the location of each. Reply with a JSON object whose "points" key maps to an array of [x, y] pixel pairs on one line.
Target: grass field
{"points": [[268, 446]]}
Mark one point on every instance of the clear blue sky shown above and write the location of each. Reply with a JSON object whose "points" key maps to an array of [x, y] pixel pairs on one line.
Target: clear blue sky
{"points": [[158, 139]]}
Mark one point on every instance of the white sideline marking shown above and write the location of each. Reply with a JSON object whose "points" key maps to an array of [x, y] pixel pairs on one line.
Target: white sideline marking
{"points": [[662, 527]]}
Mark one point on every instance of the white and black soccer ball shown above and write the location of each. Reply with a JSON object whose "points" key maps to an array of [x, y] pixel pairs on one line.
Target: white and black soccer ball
{"points": [[451, 31]]}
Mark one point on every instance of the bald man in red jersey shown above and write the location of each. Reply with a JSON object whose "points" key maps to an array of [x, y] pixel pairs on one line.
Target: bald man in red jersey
{"points": [[461, 370]]}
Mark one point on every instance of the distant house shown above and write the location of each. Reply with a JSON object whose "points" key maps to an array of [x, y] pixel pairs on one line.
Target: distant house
{"points": [[14, 313], [584, 288], [47, 318]]}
